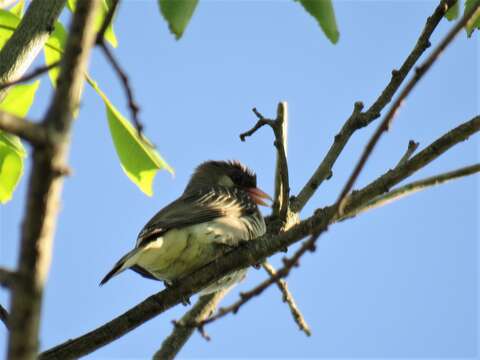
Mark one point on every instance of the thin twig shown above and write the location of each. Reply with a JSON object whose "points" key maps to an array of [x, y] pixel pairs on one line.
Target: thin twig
{"points": [[252, 252], [411, 148], [385, 124], [33, 74], [282, 184], [288, 298], [414, 187], [132, 104], [32, 132], [4, 316], [204, 307], [282, 187], [359, 119], [7, 277], [107, 21]]}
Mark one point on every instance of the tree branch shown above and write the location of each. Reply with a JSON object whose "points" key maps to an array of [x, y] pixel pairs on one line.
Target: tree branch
{"points": [[107, 21], [414, 187], [45, 186], [32, 75], [4, 316], [280, 206], [252, 252], [412, 147], [6, 277], [204, 307], [28, 39], [385, 124], [288, 298], [359, 119], [32, 132]]}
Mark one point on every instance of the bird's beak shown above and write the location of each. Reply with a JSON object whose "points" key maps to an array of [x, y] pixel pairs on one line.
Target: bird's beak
{"points": [[258, 196]]}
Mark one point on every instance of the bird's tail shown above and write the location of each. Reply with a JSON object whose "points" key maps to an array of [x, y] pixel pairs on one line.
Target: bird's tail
{"points": [[120, 266]]}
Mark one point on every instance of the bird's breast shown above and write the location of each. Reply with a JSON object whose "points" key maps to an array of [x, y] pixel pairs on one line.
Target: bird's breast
{"points": [[179, 252]]}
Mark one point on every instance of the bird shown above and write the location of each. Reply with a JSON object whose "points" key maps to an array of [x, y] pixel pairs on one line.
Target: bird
{"points": [[217, 212]]}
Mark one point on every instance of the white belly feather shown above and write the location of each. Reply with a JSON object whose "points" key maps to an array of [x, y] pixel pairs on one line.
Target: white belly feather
{"points": [[179, 252]]}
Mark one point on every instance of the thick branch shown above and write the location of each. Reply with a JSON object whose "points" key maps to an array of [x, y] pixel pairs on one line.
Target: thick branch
{"points": [[359, 119], [204, 307], [26, 129], [252, 252], [45, 186], [28, 39]]}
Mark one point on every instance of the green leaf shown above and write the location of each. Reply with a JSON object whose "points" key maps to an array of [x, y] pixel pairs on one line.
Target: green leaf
{"points": [[53, 50], [18, 8], [8, 24], [139, 160], [105, 6], [19, 99], [178, 14], [322, 11], [11, 169], [474, 22], [452, 13]]}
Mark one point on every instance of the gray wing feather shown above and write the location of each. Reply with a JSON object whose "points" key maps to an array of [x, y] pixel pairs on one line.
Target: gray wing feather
{"points": [[195, 208]]}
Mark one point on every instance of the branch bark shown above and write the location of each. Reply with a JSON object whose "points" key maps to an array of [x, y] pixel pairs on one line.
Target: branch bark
{"points": [[32, 75], [287, 297], [387, 120], [32, 132], [4, 316], [45, 186], [204, 307], [28, 39], [414, 187], [6, 277], [359, 119], [253, 252]]}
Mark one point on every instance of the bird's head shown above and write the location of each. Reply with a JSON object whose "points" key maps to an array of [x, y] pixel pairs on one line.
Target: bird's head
{"points": [[229, 174]]}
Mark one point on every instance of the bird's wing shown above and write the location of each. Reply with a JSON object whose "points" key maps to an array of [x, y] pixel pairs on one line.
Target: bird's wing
{"points": [[195, 208]]}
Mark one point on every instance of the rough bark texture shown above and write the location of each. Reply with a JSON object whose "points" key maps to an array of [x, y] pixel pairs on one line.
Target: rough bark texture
{"points": [[44, 188], [27, 41]]}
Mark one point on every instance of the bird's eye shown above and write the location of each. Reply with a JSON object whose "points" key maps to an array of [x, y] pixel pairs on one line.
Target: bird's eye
{"points": [[236, 178]]}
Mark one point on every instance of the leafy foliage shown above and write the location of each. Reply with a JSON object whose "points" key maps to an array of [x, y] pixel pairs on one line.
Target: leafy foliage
{"points": [[138, 158], [453, 12], [18, 8], [53, 50], [8, 24], [474, 22], [17, 102], [105, 6], [322, 11], [139, 161], [177, 13]]}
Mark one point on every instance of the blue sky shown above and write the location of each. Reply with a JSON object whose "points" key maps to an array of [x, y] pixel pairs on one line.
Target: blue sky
{"points": [[400, 281]]}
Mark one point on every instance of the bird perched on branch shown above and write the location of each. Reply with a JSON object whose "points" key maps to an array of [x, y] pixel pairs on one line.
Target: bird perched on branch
{"points": [[217, 211]]}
